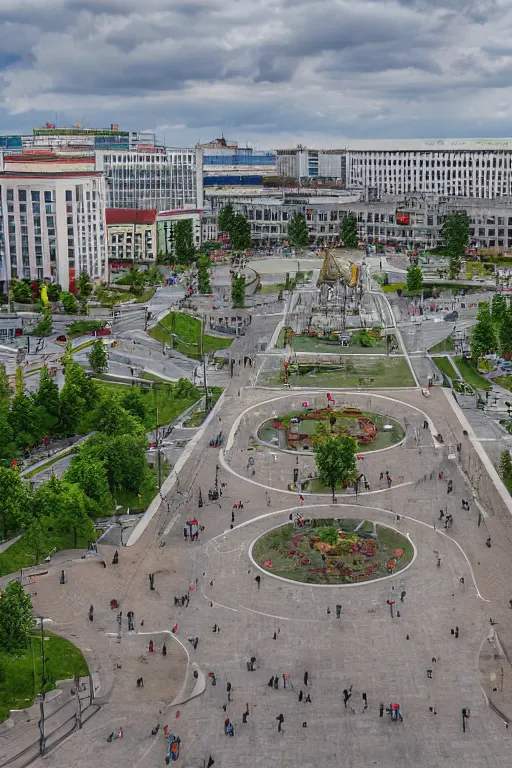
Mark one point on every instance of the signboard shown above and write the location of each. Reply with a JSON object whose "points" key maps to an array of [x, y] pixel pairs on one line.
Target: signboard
{"points": [[403, 218]]}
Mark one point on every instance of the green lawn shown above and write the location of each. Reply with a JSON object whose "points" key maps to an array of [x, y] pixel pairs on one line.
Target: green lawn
{"points": [[386, 372], [446, 345], [18, 555], [313, 344], [504, 381], [470, 374], [273, 288], [187, 330], [445, 367], [20, 674], [160, 397]]}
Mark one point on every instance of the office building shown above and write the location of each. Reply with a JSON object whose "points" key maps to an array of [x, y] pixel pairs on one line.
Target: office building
{"points": [[306, 164], [131, 236], [52, 212], [225, 164]]}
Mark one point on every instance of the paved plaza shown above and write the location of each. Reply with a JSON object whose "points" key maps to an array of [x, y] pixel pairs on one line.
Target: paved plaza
{"points": [[291, 628]]}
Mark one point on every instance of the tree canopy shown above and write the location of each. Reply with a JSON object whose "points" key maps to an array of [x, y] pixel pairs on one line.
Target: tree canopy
{"points": [[483, 337], [16, 621], [414, 278], [298, 234], [184, 246], [335, 458], [98, 358], [348, 231], [455, 233]]}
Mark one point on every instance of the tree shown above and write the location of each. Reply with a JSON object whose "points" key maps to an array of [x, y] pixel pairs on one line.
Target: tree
{"points": [[21, 291], [133, 402], [335, 458], [348, 231], [12, 501], [69, 512], [225, 220], [53, 291], [26, 420], [98, 358], [455, 233], [184, 247], [69, 303], [7, 442], [298, 234], [124, 457], [483, 338], [84, 285], [78, 396], [113, 419], [47, 398], [91, 476], [136, 280], [499, 309], [37, 540], [75, 375], [15, 617], [506, 466], [414, 278], [203, 274], [238, 292], [505, 334], [240, 233], [5, 387]]}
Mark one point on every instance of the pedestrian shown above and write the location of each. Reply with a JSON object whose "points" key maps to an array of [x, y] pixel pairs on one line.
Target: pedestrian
{"points": [[150, 647], [185, 533], [347, 693], [232, 517], [91, 613], [441, 514], [429, 674], [155, 730], [456, 632], [365, 699], [164, 650], [211, 762], [174, 629], [308, 699], [381, 476], [306, 678], [338, 611], [271, 681], [280, 720], [402, 595], [244, 717], [166, 730], [425, 424], [301, 695], [276, 682], [329, 611], [258, 580]]}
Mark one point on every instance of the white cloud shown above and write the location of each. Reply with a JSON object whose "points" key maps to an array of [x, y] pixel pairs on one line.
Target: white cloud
{"points": [[277, 71]]}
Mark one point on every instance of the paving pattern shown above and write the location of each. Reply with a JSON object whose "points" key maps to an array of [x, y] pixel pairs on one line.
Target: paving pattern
{"points": [[286, 626]]}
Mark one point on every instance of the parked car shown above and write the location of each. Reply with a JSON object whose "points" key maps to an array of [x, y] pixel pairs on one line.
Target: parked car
{"points": [[451, 317]]}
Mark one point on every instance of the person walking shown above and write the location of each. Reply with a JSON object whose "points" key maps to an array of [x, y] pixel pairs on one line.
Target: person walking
{"points": [[280, 721], [301, 695], [271, 682], [164, 650], [306, 678]]}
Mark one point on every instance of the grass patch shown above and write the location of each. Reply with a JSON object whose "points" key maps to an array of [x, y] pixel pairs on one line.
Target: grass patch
{"points": [[161, 397], [83, 346], [470, 374], [504, 381], [148, 490], [196, 419], [446, 367], [385, 372], [18, 555], [446, 345], [19, 686], [187, 331], [275, 288], [146, 296]]}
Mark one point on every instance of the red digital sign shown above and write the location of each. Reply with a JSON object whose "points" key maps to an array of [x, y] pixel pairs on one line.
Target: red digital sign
{"points": [[403, 218]]}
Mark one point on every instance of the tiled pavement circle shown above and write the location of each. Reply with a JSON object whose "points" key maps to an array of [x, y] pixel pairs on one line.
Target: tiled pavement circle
{"points": [[366, 648]]}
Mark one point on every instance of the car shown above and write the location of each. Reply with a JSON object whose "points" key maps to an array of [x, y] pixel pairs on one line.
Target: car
{"points": [[451, 317]]}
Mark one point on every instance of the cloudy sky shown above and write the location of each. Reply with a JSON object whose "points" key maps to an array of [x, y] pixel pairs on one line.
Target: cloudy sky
{"points": [[272, 73]]}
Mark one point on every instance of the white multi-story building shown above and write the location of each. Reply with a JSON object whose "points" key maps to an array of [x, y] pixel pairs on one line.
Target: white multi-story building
{"points": [[457, 167], [53, 219], [150, 177], [302, 163]]}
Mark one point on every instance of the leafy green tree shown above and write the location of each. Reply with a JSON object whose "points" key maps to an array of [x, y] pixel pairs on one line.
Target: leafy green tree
{"points": [[5, 387], [505, 334], [136, 280], [8, 448], [78, 396], [499, 309], [153, 276], [298, 234], [20, 384], [414, 278], [124, 457], [335, 458], [91, 476], [37, 540], [98, 358], [455, 233], [12, 501], [348, 231], [84, 285], [133, 402], [54, 291], [506, 466], [113, 419], [26, 420], [238, 292], [44, 326], [184, 246], [87, 389], [16, 621], [225, 220], [69, 303], [21, 291], [203, 274], [240, 233], [69, 512], [47, 398], [483, 337]]}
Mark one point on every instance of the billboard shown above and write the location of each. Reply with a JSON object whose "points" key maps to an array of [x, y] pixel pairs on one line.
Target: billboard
{"points": [[403, 218]]}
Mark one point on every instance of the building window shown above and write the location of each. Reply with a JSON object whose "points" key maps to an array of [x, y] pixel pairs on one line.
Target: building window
{"points": [[10, 194], [22, 195], [47, 197], [69, 196]]}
